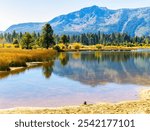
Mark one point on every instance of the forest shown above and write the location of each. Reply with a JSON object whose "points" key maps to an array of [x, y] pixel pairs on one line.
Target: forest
{"points": [[36, 39]]}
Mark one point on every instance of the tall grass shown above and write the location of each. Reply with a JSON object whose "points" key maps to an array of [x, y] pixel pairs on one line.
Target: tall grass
{"points": [[8, 45], [19, 57]]}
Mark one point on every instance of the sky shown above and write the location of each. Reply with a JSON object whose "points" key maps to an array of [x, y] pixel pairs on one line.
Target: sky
{"points": [[22, 11]]}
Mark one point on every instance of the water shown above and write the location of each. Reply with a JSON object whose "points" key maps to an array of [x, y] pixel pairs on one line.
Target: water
{"points": [[77, 77]]}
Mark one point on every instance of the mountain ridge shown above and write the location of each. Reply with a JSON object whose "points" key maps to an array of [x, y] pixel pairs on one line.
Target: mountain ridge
{"points": [[93, 19]]}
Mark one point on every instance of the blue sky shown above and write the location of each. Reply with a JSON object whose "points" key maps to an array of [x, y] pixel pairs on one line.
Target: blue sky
{"points": [[20, 11]]}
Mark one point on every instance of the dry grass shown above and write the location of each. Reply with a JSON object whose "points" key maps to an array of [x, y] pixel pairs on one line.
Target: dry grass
{"points": [[18, 57], [99, 47], [8, 45]]}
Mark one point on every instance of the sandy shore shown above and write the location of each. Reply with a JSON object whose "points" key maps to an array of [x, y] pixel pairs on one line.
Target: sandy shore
{"points": [[141, 106]]}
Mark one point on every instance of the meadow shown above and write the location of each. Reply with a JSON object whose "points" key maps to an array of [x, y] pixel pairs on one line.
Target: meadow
{"points": [[13, 57], [97, 47]]}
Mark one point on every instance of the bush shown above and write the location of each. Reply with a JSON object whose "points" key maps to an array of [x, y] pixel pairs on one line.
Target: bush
{"points": [[57, 48], [62, 46], [15, 42], [130, 45], [98, 46], [18, 63], [77, 46], [4, 67], [69, 47], [35, 46], [16, 45]]}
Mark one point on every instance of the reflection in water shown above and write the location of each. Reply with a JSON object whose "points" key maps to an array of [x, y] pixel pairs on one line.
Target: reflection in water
{"points": [[64, 58], [48, 69], [5, 74], [94, 68], [76, 55], [68, 80]]}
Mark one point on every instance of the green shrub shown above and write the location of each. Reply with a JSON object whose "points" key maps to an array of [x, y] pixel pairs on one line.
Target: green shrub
{"points": [[98, 46], [57, 48], [4, 68], [19, 63]]}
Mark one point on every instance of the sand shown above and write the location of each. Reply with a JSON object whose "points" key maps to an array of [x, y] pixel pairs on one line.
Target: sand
{"points": [[141, 106]]}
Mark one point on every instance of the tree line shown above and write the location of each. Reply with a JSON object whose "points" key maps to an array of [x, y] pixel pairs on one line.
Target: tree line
{"points": [[109, 39], [31, 40], [47, 38]]}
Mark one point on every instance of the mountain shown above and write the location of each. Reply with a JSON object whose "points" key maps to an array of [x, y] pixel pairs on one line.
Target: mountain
{"points": [[94, 19], [25, 27]]}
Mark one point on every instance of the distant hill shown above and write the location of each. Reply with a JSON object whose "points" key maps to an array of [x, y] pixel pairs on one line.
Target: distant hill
{"points": [[25, 27], [94, 19]]}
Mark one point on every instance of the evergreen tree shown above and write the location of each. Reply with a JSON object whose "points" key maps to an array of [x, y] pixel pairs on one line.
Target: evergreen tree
{"points": [[64, 39], [47, 36]]}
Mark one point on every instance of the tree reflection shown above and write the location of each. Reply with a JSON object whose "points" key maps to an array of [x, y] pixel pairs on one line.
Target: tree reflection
{"points": [[76, 55], [9, 73], [94, 68], [48, 69], [64, 58], [113, 56]]}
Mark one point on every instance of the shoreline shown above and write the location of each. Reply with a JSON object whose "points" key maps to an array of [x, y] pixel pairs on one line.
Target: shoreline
{"points": [[29, 65], [114, 49], [141, 106], [107, 48]]}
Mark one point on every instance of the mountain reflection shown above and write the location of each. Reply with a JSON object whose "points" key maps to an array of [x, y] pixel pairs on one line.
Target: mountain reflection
{"points": [[95, 68]]}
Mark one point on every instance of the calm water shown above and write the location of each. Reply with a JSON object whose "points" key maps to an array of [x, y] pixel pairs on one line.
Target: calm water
{"points": [[77, 77]]}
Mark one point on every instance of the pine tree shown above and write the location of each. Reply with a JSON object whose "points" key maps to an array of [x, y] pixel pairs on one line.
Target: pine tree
{"points": [[47, 36], [64, 39]]}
